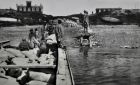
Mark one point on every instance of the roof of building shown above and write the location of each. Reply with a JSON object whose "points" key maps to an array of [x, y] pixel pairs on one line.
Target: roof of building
{"points": [[21, 5], [108, 8]]}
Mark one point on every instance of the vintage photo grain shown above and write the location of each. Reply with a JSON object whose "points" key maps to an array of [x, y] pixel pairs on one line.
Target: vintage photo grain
{"points": [[69, 42]]}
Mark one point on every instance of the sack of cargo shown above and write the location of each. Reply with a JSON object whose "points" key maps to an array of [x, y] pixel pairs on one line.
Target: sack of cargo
{"points": [[7, 80], [22, 75], [36, 51], [20, 61], [51, 39], [46, 56], [47, 62], [30, 55], [43, 70], [39, 76], [2, 53], [3, 79], [3, 57], [33, 82], [15, 52], [23, 61], [47, 59], [22, 79], [3, 63], [14, 72], [31, 51], [10, 55], [2, 71]]}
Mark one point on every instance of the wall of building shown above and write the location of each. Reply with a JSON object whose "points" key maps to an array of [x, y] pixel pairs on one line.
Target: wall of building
{"points": [[29, 8], [101, 10]]}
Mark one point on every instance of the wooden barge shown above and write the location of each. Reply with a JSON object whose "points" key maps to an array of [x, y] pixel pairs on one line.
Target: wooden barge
{"points": [[62, 69]]}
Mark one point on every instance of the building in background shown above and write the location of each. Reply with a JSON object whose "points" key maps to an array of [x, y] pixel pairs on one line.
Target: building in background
{"points": [[30, 8], [102, 10]]}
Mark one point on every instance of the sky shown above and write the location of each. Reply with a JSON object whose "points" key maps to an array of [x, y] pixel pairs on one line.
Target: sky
{"points": [[68, 7]]}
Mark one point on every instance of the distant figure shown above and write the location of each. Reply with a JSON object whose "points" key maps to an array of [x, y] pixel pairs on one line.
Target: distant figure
{"points": [[36, 34], [44, 35], [43, 27], [86, 21], [44, 48], [46, 26], [33, 41], [85, 47], [24, 45], [85, 25], [59, 32], [51, 28]]}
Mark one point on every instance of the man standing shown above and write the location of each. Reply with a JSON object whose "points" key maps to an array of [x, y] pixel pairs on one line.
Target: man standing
{"points": [[51, 28], [59, 31], [37, 34], [86, 21]]}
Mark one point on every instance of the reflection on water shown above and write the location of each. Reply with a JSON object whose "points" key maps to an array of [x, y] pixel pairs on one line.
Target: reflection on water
{"points": [[106, 67]]}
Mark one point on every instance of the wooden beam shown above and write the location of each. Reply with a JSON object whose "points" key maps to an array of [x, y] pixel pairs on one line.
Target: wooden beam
{"points": [[5, 43], [27, 66]]}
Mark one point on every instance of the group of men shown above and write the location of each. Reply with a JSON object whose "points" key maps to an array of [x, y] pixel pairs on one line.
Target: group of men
{"points": [[33, 41], [48, 39]]}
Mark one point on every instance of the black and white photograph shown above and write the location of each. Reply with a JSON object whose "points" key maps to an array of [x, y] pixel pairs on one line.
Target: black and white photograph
{"points": [[69, 42]]}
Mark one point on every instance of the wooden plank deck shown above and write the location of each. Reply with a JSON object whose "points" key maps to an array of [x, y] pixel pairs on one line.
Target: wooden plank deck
{"points": [[27, 66], [63, 76]]}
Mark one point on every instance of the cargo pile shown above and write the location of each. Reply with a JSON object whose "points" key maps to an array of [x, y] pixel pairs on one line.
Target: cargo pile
{"points": [[26, 76], [70, 23]]}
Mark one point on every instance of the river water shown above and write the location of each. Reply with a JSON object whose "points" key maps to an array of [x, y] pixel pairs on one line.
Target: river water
{"points": [[107, 68], [104, 66]]}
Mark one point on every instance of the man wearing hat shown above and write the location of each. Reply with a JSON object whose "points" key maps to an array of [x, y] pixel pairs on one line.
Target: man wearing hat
{"points": [[24, 45]]}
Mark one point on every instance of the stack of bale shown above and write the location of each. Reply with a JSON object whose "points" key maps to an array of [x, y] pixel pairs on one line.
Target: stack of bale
{"points": [[26, 76], [69, 23]]}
